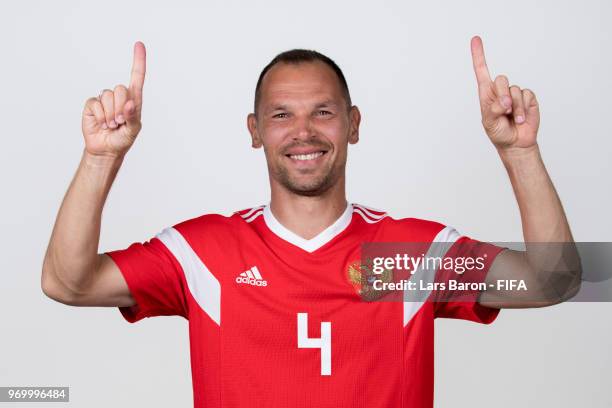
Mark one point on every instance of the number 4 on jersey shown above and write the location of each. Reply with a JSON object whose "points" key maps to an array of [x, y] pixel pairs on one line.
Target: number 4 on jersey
{"points": [[323, 343]]}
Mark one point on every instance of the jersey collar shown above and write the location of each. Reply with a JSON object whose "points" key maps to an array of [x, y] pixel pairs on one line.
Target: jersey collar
{"points": [[308, 245]]}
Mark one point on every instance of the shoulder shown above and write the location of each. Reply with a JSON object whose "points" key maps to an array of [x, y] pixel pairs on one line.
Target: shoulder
{"points": [[406, 228], [217, 223]]}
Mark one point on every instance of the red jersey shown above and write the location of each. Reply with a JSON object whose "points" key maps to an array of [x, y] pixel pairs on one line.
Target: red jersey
{"points": [[274, 319]]}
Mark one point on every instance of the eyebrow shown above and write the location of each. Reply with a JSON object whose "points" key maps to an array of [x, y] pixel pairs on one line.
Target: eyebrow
{"points": [[281, 106], [327, 102]]}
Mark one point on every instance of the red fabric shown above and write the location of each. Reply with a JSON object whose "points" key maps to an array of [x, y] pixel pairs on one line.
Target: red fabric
{"points": [[155, 279], [463, 304], [251, 359]]}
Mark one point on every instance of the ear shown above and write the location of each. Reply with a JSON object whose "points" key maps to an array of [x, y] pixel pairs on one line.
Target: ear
{"points": [[354, 120], [256, 141]]}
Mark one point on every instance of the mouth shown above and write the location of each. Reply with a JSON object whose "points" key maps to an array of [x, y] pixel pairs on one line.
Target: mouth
{"points": [[304, 157]]}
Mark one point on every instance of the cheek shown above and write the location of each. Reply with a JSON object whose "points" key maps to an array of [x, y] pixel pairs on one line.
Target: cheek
{"points": [[337, 135], [335, 130], [272, 138]]}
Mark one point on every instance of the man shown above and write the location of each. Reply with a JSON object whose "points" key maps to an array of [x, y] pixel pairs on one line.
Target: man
{"points": [[276, 311]]}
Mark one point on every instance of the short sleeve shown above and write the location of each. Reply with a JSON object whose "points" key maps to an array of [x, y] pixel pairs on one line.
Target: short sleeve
{"points": [[468, 262], [155, 279]]}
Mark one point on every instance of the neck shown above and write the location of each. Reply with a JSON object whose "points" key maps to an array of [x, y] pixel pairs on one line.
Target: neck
{"points": [[307, 216]]}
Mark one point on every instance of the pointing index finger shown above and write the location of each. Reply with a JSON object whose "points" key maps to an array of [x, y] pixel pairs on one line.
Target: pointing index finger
{"points": [[139, 67], [480, 64]]}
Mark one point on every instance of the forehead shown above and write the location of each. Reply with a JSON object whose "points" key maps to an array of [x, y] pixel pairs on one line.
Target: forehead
{"points": [[303, 82]]}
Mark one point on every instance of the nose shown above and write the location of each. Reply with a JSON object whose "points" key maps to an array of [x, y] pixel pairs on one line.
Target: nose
{"points": [[303, 128]]}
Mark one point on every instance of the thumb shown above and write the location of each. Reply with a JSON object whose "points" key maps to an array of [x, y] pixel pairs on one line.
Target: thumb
{"points": [[532, 107], [132, 119], [500, 106], [129, 113], [128, 109]]}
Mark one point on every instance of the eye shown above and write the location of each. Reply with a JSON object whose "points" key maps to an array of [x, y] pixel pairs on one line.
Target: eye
{"points": [[324, 112], [278, 115]]}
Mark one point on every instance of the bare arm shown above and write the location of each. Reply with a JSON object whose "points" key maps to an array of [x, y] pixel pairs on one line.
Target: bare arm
{"points": [[550, 266], [73, 272]]}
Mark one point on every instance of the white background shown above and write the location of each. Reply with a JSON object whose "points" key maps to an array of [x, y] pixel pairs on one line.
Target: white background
{"points": [[422, 153]]}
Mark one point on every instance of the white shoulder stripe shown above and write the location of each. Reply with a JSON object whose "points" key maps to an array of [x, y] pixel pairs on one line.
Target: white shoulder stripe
{"points": [[257, 214], [438, 248], [202, 284], [366, 218], [369, 212], [251, 211]]}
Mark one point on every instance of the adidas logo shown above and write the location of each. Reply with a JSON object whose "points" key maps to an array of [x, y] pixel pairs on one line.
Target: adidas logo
{"points": [[252, 277]]}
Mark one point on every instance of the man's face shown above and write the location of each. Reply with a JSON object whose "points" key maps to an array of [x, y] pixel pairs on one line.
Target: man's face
{"points": [[304, 125]]}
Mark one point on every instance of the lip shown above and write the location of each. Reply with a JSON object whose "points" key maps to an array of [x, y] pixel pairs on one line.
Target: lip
{"points": [[307, 163], [305, 151]]}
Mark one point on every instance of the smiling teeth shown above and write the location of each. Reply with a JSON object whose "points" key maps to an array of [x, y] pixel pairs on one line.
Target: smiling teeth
{"points": [[309, 156]]}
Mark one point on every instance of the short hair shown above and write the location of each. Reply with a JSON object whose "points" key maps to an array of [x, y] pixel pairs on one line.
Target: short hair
{"points": [[295, 57]]}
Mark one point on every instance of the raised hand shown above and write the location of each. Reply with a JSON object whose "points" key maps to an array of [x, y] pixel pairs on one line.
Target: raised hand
{"points": [[111, 121], [510, 116]]}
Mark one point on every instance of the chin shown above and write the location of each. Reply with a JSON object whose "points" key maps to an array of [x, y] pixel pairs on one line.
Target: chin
{"points": [[307, 182], [309, 186], [307, 191]]}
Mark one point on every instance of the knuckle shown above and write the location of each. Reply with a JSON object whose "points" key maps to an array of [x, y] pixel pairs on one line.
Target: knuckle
{"points": [[90, 102], [121, 88], [502, 78]]}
